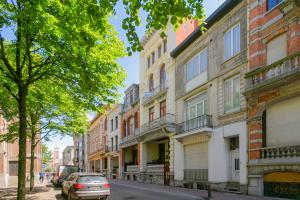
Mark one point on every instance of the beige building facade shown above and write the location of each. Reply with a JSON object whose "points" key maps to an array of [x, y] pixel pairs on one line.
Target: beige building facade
{"points": [[211, 138]]}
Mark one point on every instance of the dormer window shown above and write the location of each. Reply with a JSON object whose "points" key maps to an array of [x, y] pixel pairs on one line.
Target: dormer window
{"points": [[272, 4]]}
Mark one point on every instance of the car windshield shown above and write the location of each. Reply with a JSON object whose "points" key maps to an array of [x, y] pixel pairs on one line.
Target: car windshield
{"points": [[91, 179]]}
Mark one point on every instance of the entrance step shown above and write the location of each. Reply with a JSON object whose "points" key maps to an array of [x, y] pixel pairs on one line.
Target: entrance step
{"points": [[232, 187]]}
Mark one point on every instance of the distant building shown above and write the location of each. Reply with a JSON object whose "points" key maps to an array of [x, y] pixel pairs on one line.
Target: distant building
{"points": [[55, 158], [9, 159], [80, 152], [68, 155]]}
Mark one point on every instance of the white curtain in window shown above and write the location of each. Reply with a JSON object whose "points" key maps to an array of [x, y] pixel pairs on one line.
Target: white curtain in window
{"points": [[203, 61], [236, 39]]}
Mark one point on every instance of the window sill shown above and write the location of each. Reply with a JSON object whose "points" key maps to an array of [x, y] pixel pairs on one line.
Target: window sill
{"points": [[231, 58], [232, 112]]}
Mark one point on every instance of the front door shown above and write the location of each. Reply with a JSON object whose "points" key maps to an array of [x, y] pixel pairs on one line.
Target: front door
{"points": [[235, 166], [234, 159]]}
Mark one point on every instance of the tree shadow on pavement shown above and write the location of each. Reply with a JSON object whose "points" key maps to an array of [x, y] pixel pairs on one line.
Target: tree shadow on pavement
{"points": [[60, 197]]}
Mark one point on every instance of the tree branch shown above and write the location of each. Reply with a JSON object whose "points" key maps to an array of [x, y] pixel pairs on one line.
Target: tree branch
{"points": [[10, 91], [5, 60]]}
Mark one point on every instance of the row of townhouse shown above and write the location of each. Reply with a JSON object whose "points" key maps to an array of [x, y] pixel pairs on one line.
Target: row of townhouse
{"points": [[218, 107]]}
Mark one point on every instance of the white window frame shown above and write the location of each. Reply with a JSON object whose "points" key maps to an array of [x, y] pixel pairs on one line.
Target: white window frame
{"points": [[231, 82], [203, 99], [231, 32], [200, 70]]}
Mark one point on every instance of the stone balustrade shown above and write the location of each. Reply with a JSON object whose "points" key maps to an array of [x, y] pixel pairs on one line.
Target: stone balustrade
{"points": [[155, 168], [280, 152], [132, 168], [196, 174]]}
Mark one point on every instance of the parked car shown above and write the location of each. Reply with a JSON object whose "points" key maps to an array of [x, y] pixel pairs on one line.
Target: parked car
{"points": [[62, 173], [86, 186]]}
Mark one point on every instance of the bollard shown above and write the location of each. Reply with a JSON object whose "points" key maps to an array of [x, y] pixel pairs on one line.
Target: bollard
{"points": [[208, 192]]}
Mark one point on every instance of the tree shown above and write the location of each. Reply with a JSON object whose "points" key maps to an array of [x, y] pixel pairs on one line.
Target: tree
{"points": [[47, 154], [72, 44]]}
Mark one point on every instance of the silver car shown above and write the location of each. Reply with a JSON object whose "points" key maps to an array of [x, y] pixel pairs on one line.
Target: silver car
{"points": [[86, 186]]}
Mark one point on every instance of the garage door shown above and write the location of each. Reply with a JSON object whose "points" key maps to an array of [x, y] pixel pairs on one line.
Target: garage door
{"points": [[283, 123], [196, 156]]}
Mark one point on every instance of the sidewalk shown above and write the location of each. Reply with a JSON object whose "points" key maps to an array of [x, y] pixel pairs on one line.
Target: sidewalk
{"points": [[11, 192], [199, 193]]}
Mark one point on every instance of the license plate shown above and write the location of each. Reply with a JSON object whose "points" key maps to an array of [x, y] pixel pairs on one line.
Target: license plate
{"points": [[95, 187]]}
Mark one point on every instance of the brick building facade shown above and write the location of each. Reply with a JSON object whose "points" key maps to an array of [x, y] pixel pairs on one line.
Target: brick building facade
{"points": [[273, 97]]}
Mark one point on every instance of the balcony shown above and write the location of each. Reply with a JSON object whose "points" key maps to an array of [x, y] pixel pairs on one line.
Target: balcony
{"points": [[154, 93], [132, 168], [114, 148], [271, 76], [130, 139], [166, 122], [196, 174], [126, 107], [280, 152], [202, 122], [153, 168]]}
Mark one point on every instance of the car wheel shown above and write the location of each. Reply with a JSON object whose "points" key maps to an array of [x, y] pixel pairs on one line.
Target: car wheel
{"points": [[69, 196]]}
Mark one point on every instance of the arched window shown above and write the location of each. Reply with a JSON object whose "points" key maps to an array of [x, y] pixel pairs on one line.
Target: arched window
{"points": [[162, 75], [151, 83]]}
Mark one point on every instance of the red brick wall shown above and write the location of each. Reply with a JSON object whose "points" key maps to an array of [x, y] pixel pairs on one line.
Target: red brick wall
{"points": [[185, 30], [258, 39]]}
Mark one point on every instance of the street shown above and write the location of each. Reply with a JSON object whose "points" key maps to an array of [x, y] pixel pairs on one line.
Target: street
{"points": [[125, 190]]}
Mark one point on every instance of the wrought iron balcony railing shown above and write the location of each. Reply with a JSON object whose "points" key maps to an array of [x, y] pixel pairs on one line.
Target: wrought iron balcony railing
{"points": [[280, 69], [149, 96], [196, 123], [280, 152], [196, 174], [126, 107], [168, 119]]}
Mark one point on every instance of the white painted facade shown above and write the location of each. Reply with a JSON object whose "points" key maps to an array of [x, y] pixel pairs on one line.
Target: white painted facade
{"points": [[219, 153]]}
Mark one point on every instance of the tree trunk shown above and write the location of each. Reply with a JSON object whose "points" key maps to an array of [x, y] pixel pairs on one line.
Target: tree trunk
{"points": [[32, 161], [22, 142]]}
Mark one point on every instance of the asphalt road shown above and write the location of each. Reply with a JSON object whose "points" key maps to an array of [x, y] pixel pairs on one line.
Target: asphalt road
{"points": [[121, 191]]}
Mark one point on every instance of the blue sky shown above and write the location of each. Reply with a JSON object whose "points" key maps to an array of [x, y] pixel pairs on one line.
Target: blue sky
{"points": [[130, 64]]}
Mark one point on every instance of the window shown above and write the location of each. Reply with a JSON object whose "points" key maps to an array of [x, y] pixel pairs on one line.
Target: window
{"points": [[165, 45], [105, 124], [151, 114], [131, 97], [277, 49], [117, 143], [148, 62], [231, 42], [272, 3], [162, 110], [232, 94], [162, 78], [197, 65], [233, 143], [112, 143], [136, 125], [159, 51], [153, 57], [131, 126], [116, 121], [196, 107], [111, 124], [151, 83]]}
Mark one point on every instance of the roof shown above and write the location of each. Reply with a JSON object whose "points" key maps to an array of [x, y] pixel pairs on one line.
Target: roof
{"points": [[227, 6]]}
